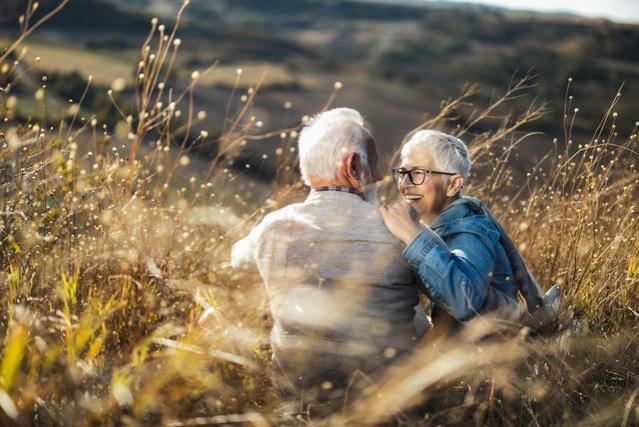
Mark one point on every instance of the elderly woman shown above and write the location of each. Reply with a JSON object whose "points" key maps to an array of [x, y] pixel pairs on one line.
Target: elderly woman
{"points": [[464, 257]]}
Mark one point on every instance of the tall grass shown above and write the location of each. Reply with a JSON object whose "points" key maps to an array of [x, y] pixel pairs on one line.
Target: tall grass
{"points": [[117, 305]]}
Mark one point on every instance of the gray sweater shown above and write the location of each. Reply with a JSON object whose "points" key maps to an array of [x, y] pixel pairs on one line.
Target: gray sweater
{"points": [[341, 296]]}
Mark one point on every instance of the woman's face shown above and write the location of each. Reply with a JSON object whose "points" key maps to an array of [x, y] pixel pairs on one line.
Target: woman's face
{"points": [[428, 198]]}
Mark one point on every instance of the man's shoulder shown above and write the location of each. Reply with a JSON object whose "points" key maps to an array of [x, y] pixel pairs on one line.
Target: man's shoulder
{"points": [[287, 215], [360, 218]]}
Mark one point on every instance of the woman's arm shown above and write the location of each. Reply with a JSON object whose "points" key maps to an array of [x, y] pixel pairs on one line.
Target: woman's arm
{"points": [[456, 272]]}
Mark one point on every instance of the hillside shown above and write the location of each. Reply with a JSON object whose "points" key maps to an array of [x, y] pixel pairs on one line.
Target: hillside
{"points": [[405, 58]]}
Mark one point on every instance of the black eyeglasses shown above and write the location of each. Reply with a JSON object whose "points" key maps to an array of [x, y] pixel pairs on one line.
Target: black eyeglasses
{"points": [[416, 176]]}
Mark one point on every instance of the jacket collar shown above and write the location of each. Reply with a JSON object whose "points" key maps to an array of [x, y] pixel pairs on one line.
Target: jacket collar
{"points": [[458, 209]]}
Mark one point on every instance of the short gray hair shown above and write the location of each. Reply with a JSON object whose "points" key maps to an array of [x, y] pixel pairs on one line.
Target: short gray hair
{"points": [[450, 153], [327, 139]]}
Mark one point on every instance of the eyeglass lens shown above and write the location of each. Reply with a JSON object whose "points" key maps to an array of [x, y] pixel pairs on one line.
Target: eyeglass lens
{"points": [[415, 176]]}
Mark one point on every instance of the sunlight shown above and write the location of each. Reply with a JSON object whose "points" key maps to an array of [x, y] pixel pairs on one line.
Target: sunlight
{"points": [[616, 10]]}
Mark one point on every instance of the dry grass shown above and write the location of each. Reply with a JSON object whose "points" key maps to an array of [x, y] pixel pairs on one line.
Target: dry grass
{"points": [[117, 305]]}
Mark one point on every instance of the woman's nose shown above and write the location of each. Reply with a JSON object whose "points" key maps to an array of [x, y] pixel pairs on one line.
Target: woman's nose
{"points": [[404, 181]]}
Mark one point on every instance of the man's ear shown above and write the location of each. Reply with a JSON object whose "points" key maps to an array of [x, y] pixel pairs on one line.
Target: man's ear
{"points": [[353, 166], [455, 185]]}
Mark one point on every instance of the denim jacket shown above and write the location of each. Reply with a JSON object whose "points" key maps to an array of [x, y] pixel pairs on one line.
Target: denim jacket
{"points": [[464, 267]]}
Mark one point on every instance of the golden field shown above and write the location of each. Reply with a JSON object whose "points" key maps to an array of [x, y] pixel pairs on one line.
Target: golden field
{"points": [[118, 307]]}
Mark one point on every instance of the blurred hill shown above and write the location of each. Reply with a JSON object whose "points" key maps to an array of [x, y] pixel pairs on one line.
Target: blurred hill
{"points": [[397, 62]]}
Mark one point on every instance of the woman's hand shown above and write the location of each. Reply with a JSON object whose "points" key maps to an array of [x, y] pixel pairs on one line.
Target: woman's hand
{"points": [[402, 220]]}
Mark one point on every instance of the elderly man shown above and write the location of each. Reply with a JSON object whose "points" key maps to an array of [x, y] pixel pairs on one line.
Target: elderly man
{"points": [[341, 297], [466, 260]]}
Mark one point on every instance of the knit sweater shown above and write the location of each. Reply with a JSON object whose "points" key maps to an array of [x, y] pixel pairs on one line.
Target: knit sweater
{"points": [[340, 293]]}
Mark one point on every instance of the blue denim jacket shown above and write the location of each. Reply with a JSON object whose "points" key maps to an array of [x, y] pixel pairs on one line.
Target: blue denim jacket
{"points": [[462, 263]]}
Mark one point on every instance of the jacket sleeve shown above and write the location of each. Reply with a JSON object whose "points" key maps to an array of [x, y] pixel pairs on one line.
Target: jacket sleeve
{"points": [[244, 252], [456, 272]]}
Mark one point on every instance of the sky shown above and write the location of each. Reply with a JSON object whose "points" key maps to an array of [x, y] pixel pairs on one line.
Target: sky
{"points": [[616, 10]]}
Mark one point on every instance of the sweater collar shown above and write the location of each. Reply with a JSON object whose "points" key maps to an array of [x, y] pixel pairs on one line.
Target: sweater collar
{"points": [[332, 194], [338, 188]]}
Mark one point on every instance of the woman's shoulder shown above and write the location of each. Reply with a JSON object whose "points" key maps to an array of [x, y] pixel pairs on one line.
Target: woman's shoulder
{"points": [[473, 222]]}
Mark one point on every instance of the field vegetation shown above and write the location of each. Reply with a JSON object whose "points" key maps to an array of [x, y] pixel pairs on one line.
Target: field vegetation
{"points": [[117, 304]]}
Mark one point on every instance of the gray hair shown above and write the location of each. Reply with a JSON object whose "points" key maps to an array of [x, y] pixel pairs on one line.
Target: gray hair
{"points": [[450, 153], [327, 139]]}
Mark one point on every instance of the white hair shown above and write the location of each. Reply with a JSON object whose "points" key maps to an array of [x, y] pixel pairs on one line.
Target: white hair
{"points": [[327, 139], [450, 153]]}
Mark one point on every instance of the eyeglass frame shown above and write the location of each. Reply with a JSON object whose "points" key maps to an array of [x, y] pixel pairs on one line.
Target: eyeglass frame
{"points": [[425, 171]]}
